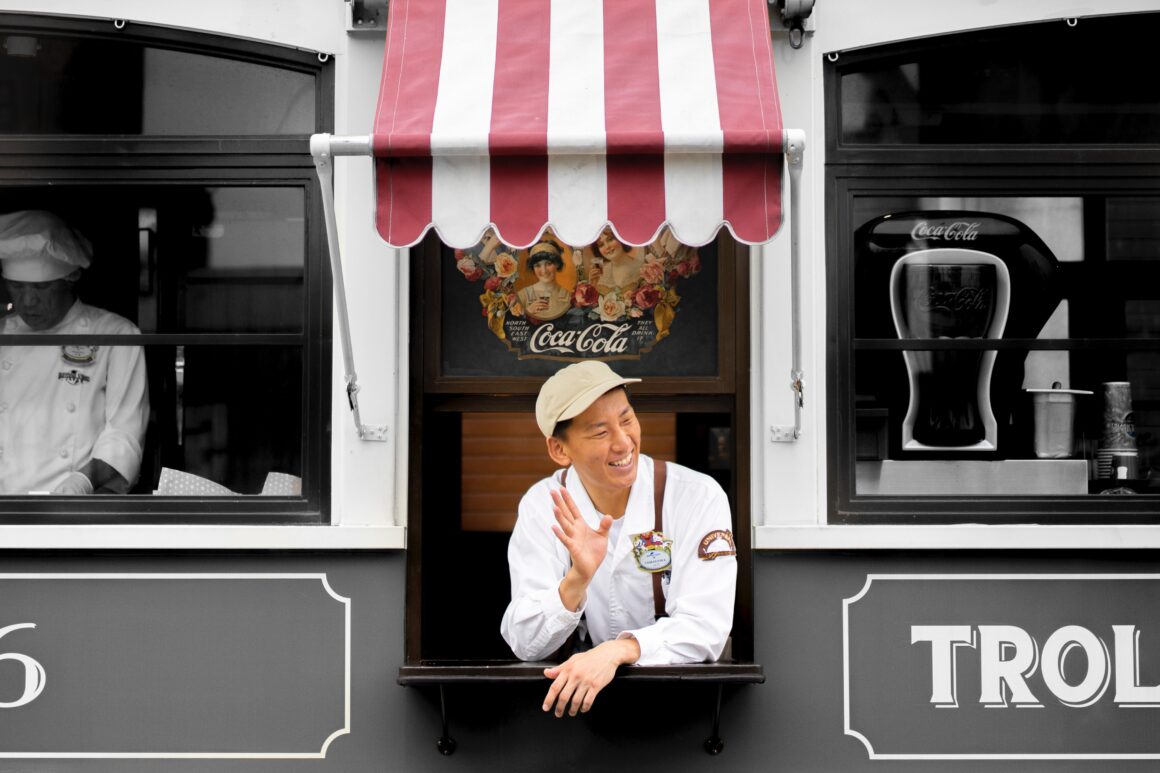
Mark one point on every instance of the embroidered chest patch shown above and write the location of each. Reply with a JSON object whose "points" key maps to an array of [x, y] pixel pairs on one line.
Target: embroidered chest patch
{"points": [[653, 551], [716, 544], [73, 377]]}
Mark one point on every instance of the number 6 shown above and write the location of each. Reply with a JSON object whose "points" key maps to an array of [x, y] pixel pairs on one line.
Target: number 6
{"points": [[33, 671]]}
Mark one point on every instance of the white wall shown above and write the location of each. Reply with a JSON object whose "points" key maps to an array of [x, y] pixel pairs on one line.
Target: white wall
{"points": [[314, 25]]}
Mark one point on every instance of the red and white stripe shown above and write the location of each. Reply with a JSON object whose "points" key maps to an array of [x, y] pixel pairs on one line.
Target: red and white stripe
{"points": [[575, 114]]}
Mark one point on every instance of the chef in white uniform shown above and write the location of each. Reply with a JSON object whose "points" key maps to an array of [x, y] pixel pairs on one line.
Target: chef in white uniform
{"points": [[586, 547], [72, 416]]}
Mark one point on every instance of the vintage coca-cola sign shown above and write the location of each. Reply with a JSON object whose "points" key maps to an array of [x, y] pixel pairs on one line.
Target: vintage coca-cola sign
{"points": [[606, 300]]}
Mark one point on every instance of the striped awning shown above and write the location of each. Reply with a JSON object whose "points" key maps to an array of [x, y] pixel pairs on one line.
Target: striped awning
{"points": [[522, 115]]}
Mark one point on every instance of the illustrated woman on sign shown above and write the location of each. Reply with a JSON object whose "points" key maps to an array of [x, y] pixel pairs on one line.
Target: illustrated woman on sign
{"points": [[546, 299], [614, 264]]}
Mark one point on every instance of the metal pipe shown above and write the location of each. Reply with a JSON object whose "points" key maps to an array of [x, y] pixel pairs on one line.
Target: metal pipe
{"points": [[794, 143], [323, 148]]}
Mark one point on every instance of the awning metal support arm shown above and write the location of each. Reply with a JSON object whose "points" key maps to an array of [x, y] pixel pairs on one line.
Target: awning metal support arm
{"points": [[794, 145], [323, 148]]}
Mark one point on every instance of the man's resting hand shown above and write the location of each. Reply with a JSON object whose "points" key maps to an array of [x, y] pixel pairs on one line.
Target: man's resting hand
{"points": [[578, 679], [76, 484]]}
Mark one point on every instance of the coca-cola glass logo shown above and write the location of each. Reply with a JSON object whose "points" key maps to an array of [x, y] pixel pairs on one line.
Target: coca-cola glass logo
{"points": [[960, 300], [958, 231]]}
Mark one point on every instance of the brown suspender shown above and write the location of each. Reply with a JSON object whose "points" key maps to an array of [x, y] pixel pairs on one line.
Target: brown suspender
{"points": [[660, 470]]}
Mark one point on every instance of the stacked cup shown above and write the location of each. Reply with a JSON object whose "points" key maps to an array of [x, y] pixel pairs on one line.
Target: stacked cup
{"points": [[1118, 456]]}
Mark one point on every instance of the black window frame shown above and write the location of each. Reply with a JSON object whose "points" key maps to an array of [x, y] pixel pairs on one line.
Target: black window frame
{"points": [[282, 161], [856, 170]]}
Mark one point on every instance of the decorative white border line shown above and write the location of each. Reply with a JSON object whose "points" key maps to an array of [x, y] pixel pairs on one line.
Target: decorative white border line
{"points": [[321, 754], [189, 536], [870, 578]]}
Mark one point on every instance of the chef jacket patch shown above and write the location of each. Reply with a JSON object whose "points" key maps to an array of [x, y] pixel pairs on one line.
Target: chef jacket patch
{"points": [[716, 544], [79, 354], [73, 377], [653, 551]]}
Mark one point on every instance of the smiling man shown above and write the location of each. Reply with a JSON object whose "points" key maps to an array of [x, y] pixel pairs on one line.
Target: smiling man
{"points": [[635, 556]]}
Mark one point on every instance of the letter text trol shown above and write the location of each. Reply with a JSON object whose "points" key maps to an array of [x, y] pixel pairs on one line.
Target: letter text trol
{"points": [[1055, 660], [1129, 691], [1007, 656], [944, 641]]}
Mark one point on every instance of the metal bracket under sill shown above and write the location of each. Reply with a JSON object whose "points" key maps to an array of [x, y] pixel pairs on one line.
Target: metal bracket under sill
{"points": [[498, 673]]}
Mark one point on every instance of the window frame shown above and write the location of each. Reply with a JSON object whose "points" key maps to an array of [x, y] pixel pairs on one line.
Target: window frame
{"points": [[71, 160], [728, 393], [856, 170]]}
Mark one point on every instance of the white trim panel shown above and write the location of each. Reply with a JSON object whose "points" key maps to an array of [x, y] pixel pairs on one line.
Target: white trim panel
{"points": [[960, 537], [208, 537]]}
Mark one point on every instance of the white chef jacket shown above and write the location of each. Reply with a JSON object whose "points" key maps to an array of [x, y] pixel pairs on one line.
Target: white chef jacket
{"points": [[60, 406], [619, 601]]}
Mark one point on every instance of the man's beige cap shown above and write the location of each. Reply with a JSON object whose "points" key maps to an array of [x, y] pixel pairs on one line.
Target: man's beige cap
{"points": [[570, 391], [38, 246]]}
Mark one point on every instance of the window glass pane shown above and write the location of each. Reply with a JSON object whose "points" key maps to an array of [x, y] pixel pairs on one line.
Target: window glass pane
{"points": [[163, 261], [57, 84], [1041, 242], [74, 407], [175, 421], [237, 419], [1071, 443], [1133, 228], [234, 262], [524, 312], [1024, 84], [185, 259], [1073, 279]]}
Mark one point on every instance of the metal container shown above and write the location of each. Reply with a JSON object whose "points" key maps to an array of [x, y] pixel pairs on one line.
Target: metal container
{"points": [[1055, 421]]}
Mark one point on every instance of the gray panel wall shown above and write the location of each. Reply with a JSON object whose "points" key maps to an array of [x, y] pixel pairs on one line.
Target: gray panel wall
{"points": [[793, 722]]}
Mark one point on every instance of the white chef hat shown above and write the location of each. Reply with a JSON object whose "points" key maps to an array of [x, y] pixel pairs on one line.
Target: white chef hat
{"points": [[37, 246]]}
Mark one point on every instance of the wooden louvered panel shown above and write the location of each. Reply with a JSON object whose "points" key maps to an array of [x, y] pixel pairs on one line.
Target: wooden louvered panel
{"points": [[504, 454]]}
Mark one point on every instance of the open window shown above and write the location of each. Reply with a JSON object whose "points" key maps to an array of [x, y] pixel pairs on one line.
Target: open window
{"points": [[475, 447], [182, 159]]}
